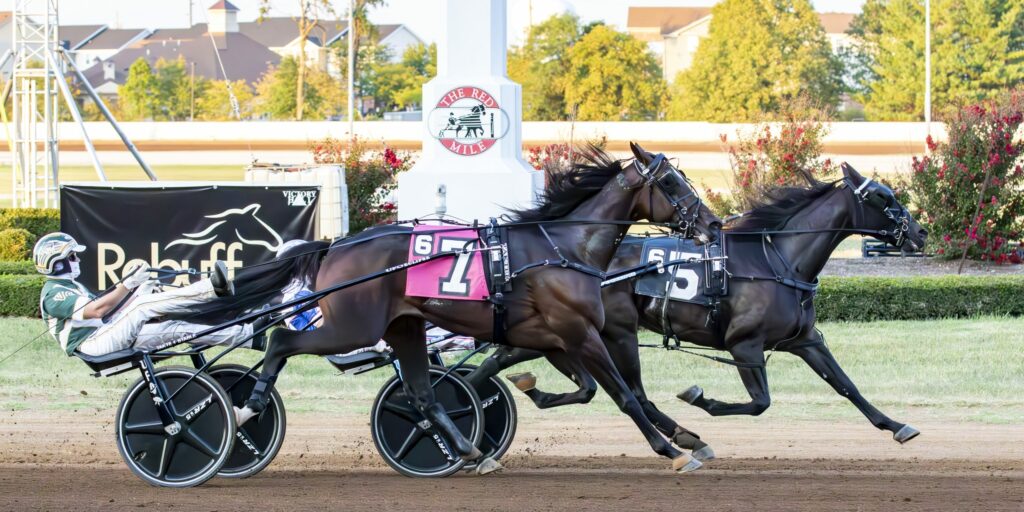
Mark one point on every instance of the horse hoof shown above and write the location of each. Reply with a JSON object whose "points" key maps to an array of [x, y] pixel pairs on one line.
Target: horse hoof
{"points": [[703, 454], [906, 434], [685, 464], [243, 415], [691, 395], [488, 465], [523, 381], [473, 455]]}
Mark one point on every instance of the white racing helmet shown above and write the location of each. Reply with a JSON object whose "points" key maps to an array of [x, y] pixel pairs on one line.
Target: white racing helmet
{"points": [[51, 250]]}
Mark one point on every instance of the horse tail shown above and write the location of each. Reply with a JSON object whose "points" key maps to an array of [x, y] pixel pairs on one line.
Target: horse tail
{"points": [[261, 284]]}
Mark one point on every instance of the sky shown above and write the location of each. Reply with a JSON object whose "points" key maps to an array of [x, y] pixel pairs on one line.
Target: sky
{"points": [[421, 16]]}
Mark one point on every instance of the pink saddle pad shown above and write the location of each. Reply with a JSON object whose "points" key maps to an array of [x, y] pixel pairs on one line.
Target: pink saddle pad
{"points": [[457, 277]]}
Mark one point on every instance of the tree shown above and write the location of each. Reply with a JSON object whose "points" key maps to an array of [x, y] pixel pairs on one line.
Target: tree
{"points": [[396, 85], [276, 92], [613, 76], [174, 89], [757, 54], [541, 65], [214, 104], [977, 53], [139, 96]]}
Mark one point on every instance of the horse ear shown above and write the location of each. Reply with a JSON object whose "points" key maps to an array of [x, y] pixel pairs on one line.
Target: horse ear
{"points": [[851, 173], [639, 153]]}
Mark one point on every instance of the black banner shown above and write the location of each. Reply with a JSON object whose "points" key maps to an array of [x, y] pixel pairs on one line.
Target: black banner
{"points": [[183, 227]]}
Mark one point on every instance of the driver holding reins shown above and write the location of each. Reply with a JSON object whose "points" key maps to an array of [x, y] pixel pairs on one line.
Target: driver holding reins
{"points": [[79, 320]]}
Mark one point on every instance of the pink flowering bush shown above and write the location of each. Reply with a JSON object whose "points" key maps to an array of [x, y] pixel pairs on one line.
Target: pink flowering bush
{"points": [[947, 183], [371, 175], [774, 154]]}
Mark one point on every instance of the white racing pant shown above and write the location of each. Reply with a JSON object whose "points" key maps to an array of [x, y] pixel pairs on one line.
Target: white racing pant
{"points": [[129, 327]]}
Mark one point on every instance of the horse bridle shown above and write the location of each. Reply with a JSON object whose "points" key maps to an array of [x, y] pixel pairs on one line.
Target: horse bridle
{"points": [[657, 174], [898, 214]]}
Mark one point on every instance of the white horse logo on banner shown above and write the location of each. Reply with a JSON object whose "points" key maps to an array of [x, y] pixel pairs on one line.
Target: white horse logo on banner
{"points": [[238, 221]]}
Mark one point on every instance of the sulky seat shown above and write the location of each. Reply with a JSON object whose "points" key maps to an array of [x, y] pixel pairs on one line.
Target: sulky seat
{"points": [[114, 359]]}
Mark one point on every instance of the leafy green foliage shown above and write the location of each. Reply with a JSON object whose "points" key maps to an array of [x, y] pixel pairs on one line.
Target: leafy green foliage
{"points": [[613, 77], [865, 299], [542, 66], [19, 295], [370, 176], [276, 92], [215, 102], [15, 244], [138, 98], [37, 221], [977, 52], [396, 85], [948, 183], [757, 54], [24, 267], [784, 153]]}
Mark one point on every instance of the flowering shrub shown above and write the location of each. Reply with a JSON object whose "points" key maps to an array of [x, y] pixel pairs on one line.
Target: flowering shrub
{"points": [[370, 175], [774, 154], [948, 183]]}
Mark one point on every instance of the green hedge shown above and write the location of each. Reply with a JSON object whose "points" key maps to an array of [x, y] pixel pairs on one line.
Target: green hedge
{"points": [[19, 295], [17, 267], [840, 298], [16, 244], [916, 298], [38, 221]]}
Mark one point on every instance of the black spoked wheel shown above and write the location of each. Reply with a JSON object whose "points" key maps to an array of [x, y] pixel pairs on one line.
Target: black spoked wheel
{"points": [[259, 439], [192, 449], [411, 445], [500, 415]]}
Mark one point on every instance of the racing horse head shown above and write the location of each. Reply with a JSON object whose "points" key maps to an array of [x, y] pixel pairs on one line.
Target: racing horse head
{"points": [[239, 223]]}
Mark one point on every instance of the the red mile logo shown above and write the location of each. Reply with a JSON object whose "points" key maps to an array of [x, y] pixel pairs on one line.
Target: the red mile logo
{"points": [[467, 121]]}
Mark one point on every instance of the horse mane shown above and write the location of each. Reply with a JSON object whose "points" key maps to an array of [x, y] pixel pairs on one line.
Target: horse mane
{"points": [[590, 172], [780, 204]]}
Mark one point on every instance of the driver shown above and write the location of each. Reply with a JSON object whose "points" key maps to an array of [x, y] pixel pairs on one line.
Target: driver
{"points": [[76, 317]]}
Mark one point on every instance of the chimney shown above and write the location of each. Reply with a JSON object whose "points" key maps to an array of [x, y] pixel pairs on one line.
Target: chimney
{"points": [[223, 17], [109, 72]]}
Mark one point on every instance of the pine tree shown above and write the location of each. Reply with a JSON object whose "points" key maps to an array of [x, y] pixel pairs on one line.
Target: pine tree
{"points": [[757, 54], [613, 76]]}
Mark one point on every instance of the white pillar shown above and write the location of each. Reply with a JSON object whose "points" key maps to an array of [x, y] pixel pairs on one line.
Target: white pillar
{"points": [[472, 121]]}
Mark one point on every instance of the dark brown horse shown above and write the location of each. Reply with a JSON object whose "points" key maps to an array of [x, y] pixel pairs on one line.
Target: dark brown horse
{"points": [[775, 253], [551, 309]]}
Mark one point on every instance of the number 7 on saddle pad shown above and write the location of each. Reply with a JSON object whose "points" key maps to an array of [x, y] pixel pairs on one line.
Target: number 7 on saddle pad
{"points": [[458, 277]]}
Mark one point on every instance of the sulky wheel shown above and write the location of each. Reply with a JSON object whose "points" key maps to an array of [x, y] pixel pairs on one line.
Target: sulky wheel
{"points": [[259, 439], [398, 428], [188, 451], [500, 416]]}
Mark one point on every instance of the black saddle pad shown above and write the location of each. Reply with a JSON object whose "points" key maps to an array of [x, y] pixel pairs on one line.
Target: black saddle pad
{"points": [[683, 282]]}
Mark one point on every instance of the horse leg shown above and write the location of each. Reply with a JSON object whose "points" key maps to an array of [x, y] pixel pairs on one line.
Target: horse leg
{"points": [[754, 377], [624, 350], [595, 359], [526, 382], [283, 344], [820, 359], [405, 335], [502, 358]]}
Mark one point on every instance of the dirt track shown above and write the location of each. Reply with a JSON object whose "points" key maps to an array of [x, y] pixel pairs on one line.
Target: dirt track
{"points": [[555, 464]]}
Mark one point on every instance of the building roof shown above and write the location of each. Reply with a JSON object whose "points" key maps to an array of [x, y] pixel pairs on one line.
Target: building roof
{"points": [[243, 58], [836, 22], [278, 32], [222, 5], [670, 19], [77, 35], [110, 39]]}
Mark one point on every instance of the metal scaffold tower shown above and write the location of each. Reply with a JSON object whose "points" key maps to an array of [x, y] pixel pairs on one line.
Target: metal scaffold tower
{"points": [[33, 90]]}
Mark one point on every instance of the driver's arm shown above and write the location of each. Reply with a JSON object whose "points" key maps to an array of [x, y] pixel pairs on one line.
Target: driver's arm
{"points": [[101, 306]]}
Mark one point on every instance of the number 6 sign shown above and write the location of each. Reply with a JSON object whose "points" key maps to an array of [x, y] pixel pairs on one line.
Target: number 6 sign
{"points": [[458, 277]]}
